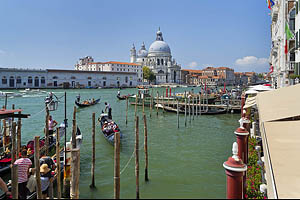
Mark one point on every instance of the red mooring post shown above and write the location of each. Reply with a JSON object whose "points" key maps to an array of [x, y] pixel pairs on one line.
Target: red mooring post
{"points": [[166, 92], [234, 168]]}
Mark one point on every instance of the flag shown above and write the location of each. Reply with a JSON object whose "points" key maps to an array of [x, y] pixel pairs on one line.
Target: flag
{"points": [[288, 32], [270, 4], [286, 47]]}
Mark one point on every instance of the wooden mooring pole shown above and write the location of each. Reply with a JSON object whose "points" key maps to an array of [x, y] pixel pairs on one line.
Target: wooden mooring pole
{"points": [[146, 147], [190, 117], [74, 129], [13, 143], [185, 107], [200, 109], [117, 166], [196, 105], [37, 167], [157, 101], [151, 103], [4, 134], [14, 175], [137, 172], [47, 131], [143, 101], [126, 120], [193, 107], [58, 180], [177, 113], [14, 182], [136, 102], [19, 136], [75, 170], [93, 151]]}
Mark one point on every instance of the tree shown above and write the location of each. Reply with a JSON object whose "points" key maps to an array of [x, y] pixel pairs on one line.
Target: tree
{"points": [[148, 74]]}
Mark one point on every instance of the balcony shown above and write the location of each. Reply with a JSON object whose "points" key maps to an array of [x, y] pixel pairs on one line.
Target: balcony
{"points": [[291, 66], [274, 14]]}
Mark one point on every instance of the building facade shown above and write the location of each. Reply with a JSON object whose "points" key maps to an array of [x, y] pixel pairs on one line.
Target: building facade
{"points": [[88, 64], [56, 78], [284, 54], [158, 59]]}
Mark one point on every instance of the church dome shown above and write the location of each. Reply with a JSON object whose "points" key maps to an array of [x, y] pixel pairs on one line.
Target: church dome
{"points": [[143, 52], [159, 47]]}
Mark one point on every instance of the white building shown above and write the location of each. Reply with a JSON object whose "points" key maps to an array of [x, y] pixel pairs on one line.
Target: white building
{"points": [[158, 59], [88, 64], [283, 64], [56, 78]]}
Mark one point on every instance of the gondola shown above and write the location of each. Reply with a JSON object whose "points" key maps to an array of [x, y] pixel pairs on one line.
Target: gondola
{"points": [[111, 128], [81, 105], [5, 161], [123, 97]]}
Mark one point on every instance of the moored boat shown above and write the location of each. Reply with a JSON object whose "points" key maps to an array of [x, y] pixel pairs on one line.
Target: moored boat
{"points": [[123, 97]]}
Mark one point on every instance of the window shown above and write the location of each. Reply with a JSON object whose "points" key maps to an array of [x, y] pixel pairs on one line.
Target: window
{"points": [[89, 78], [29, 80], [43, 80], [19, 80], [158, 63], [162, 62], [104, 78], [126, 79], [54, 77], [4, 80]]}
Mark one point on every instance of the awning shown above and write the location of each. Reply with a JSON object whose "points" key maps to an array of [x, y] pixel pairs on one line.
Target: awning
{"points": [[250, 101], [281, 147], [279, 104]]}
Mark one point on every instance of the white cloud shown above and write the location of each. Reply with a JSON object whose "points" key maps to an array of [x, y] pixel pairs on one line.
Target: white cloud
{"points": [[252, 63], [192, 65]]}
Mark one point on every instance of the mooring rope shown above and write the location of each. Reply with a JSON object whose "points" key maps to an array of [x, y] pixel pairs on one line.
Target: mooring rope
{"points": [[130, 159], [41, 110]]}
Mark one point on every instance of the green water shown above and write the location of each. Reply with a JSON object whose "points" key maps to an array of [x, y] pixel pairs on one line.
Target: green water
{"points": [[183, 163]]}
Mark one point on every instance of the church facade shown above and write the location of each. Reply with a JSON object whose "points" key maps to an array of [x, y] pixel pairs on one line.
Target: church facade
{"points": [[159, 59]]}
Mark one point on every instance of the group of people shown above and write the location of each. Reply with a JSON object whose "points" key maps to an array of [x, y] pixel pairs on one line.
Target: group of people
{"points": [[110, 127], [26, 185], [89, 101]]}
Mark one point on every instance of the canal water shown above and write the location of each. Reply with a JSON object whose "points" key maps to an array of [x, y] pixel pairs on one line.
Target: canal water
{"points": [[183, 163]]}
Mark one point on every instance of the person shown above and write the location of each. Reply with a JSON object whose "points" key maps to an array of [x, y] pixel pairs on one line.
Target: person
{"points": [[51, 96], [119, 93], [4, 188], [45, 180], [50, 163], [52, 123], [107, 107], [78, 98], [24, 165]]}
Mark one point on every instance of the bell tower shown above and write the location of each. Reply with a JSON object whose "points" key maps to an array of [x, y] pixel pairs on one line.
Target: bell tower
{"points": [[133, 54]]}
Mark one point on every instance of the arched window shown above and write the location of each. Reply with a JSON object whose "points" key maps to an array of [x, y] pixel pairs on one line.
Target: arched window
{"points": [[162, 62], [4, 80], [158, 63], [29, 80], [11, 81], [54, 77], [36, 82], [19, 80], [43, 80]]}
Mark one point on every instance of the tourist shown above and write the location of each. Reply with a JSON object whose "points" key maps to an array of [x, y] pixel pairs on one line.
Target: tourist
{"points": [[119, 93], [50, 163], [24, 164], [52, 123], [78, 98], [45, 180], [4, 188]]}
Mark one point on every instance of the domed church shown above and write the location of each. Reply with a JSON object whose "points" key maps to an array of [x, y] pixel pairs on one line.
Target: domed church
{"points": [[158, 59]]}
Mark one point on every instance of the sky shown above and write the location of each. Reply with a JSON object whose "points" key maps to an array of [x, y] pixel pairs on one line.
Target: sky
{"points": [[201, 33]]}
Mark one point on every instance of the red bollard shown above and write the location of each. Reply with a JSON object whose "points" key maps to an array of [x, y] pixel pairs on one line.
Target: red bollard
{"points": [[170, 93], [235, 169], [241, 138], [166, 92]]}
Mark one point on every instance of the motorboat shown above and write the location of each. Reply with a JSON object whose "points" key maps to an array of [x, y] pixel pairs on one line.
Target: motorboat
{"points": [[10, 94]]}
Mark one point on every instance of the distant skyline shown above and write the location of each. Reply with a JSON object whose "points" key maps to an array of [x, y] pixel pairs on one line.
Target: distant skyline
{"points": [[200, 33]]}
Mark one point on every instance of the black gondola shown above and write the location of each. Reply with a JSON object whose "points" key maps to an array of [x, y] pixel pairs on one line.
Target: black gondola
{"points": [[108, 128], [209, 111], [123, 97], [86, 105]]}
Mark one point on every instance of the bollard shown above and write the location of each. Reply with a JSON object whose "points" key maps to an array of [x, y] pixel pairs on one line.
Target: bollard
{"points": [[235, 169]]}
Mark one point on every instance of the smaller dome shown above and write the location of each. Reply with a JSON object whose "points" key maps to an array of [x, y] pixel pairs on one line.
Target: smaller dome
{"points": [[142, 53]]}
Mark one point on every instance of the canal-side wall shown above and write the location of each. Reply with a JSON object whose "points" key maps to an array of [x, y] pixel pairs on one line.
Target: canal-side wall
{"points": [[56, 78]]}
